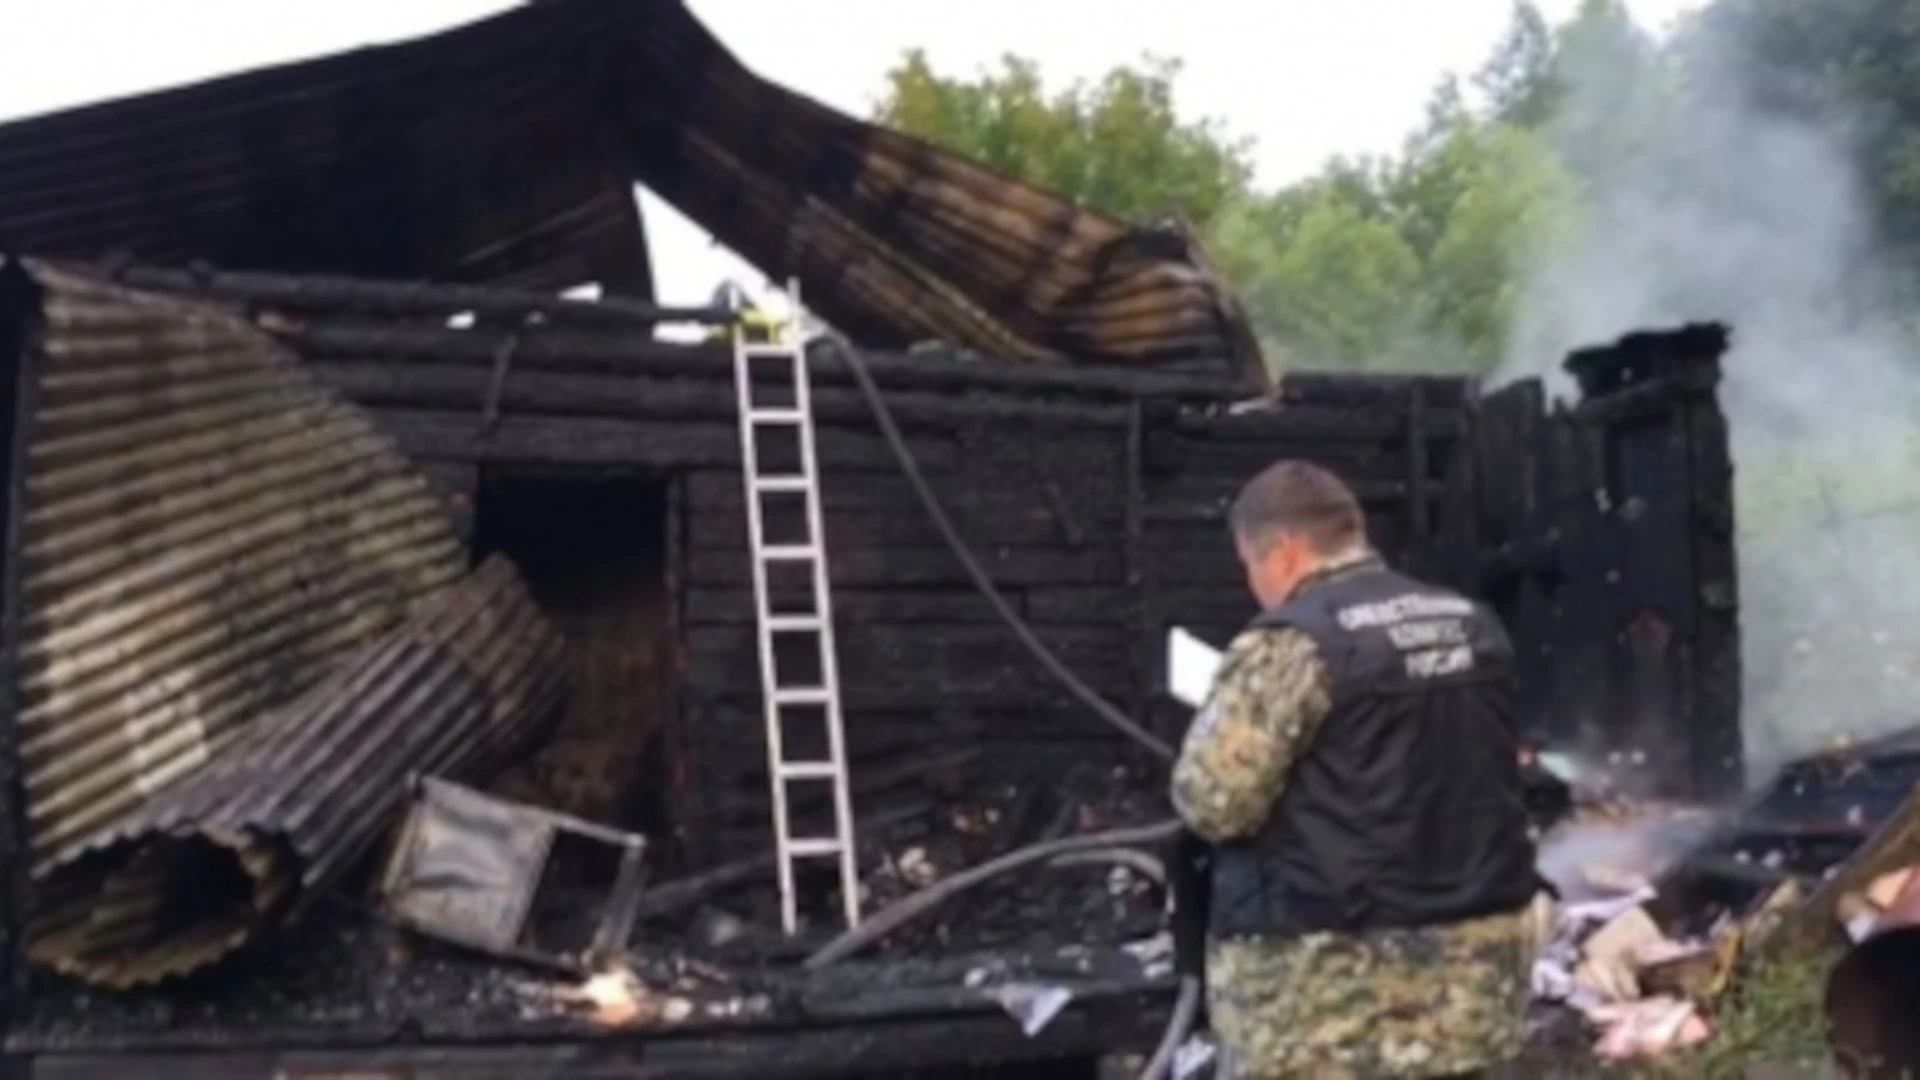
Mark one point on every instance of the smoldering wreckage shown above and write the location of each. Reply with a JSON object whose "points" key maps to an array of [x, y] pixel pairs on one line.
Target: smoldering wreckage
{"points": [[387, 691]]}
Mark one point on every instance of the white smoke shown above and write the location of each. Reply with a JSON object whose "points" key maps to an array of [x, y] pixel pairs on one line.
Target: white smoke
{"points": [[1728, 212]]}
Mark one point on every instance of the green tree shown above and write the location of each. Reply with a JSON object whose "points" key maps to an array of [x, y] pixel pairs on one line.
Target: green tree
{"points": [[1116, 145], [1518, 81], [1409, 260], [1478, 207]]}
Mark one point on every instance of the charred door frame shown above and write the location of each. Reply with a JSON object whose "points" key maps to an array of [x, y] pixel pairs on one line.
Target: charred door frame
{"points": [[19, 341]]}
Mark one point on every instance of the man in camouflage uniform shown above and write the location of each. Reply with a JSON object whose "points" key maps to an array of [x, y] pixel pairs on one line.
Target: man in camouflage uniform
{"points": [[1355, 771]]}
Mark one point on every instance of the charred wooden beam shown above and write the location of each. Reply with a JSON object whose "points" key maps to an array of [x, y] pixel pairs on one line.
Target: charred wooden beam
{"points": [[904, 528], [600, 442], [929, 606], [915, 567], [1096, 606], [1326, 422], [1653, 396], [1009, 496], [579, 351], [1420, 486], [384, 384], [1354, 390], [320, 293], [1177, 506], [1106, 1016]]}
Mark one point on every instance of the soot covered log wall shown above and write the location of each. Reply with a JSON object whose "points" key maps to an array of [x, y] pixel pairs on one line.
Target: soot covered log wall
{"points": [[1095, 499]]}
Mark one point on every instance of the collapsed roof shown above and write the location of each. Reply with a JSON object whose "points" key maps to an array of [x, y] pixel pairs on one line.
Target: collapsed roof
{"points": [[505, 152]]}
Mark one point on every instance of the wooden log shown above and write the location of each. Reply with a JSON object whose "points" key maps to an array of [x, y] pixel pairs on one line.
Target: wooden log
{"points": [[902, 527], [385, 384], [902, 668], [621, 443], [924, 567], [1316, 422], [576, 350], [928, 607], [1354, 390], [1354, 460], [1175, 504], [1096, 605], [901, 648], [334, 294], [1017, 495]]}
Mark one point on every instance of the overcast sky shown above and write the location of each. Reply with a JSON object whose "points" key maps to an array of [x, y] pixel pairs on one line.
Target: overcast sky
{"points": [[1305, 79]]}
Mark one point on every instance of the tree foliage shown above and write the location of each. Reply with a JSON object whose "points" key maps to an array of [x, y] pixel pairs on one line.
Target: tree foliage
{"points": [[1419, 258], [1117, 144]]}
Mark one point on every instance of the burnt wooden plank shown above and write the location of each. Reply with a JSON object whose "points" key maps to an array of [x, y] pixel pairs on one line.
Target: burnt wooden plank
{"points": [[1013, 493], [906, 527], [876, 1035], [609, 443], [926, 606], [870, 568], [383, 384], [1095, 605], [901, 666], [1304, 423], [561, 349]]}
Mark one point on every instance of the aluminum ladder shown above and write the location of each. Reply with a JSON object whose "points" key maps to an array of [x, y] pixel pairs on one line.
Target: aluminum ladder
{"points": [[789, 347]]}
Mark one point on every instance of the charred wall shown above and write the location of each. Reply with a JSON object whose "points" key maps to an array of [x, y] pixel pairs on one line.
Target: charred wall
{"points": [[1096, 501], [1094, 498], [1605, 539]]}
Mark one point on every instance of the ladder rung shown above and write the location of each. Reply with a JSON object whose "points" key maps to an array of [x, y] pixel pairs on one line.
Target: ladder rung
{"points": [[766, 350], [789, 552], [793, 624], [809, 770], [812, 847], [776, 416], [801, 695], [778, 484]]}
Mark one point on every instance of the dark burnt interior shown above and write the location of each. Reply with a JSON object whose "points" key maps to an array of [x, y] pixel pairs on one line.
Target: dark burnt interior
{"points": [[592, 547]]}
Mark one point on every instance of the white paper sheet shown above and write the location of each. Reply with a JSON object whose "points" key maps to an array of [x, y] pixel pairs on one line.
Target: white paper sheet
{"points": [[1191, 664]]}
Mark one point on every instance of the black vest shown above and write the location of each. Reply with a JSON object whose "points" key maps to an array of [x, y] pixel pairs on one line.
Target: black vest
{"points": [[1406, 809]]}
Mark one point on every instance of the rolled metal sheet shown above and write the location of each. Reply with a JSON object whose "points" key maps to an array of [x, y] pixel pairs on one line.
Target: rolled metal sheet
{"points": [[286, 807], [206, 530], [1873, 994]]}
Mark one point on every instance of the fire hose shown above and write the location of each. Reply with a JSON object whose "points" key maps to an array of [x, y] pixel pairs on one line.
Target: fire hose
{"points": [[1189, 926]]}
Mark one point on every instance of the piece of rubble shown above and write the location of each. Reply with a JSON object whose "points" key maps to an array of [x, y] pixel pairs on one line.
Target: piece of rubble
{"points": [[1697, 972], [1885, 890], [1608, 879], [1610, 962], [612, 998], [916, 868], [1647, 1028], [1857, 915]]}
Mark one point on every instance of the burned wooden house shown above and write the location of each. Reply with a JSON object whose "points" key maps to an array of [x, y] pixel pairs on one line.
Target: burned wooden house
{"points": [[317, 485]]}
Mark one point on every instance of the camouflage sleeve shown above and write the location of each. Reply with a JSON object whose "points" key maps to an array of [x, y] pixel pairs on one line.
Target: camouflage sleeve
{"points": [[1268, 700]]}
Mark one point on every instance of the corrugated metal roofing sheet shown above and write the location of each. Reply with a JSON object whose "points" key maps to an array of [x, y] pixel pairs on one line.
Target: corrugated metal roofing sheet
{"points": [[205, 532], [498, 152], [282, 813]]}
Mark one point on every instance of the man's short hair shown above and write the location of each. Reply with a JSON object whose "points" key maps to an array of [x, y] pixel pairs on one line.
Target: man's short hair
{"points": [[1301, 498]]}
